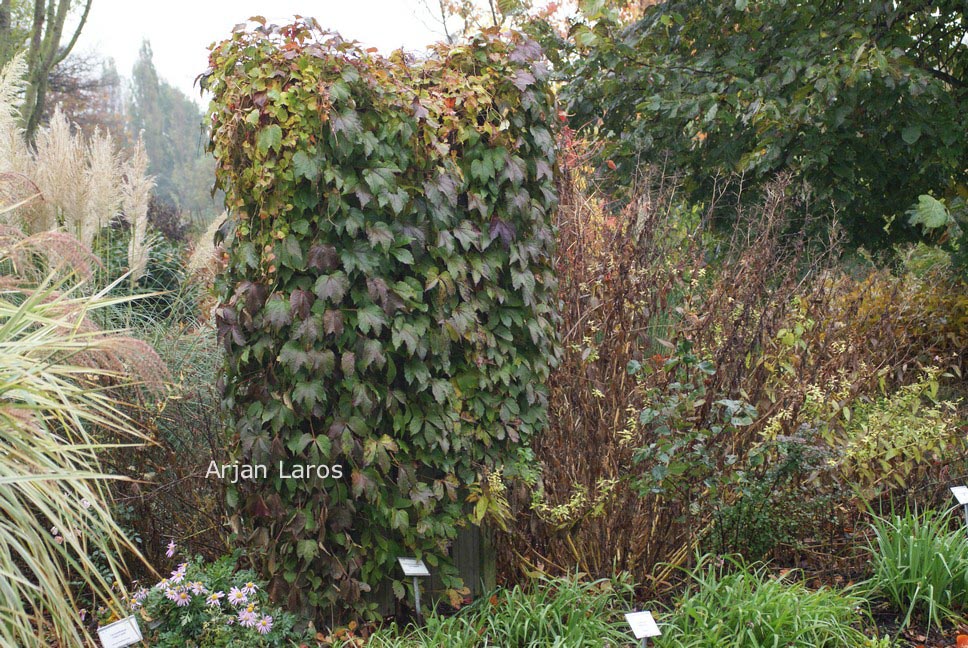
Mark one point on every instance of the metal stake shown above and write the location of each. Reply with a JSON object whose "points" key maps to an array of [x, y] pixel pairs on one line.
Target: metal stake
{"points": [[416, 588], [966, 516], [645, 642]]}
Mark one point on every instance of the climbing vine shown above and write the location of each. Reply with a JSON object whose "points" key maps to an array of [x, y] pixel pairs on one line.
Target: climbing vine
{"points": [[387, 304]]}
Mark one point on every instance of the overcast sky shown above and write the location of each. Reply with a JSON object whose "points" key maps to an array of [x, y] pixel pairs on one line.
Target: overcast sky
{"points": [[181, 30]]}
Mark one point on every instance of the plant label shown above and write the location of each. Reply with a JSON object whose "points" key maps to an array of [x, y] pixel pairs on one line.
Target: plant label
{"points": [[642, 624], [120, 633], [960, 493], [413, 567]]}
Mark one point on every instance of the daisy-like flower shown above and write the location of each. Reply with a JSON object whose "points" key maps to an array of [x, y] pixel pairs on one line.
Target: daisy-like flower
{"points": [[178, 575], [183, 598], [247, 618], [171, 549], [141, 595], [214, 599], [162, 584], [237, 596], [171, 594], [264, 625], [198, 588], [249, 588]]}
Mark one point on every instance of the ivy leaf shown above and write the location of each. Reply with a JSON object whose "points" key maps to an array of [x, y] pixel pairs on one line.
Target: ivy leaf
{"points": [[307, 549], [322, 257], [293, 357], [522, 79], [269, 137], [379, 235], [277, 312], [346, 123], [304, 166], [347, 363], [308, 394], [333, 322], [372, 354], [300, 301], [370, 318], [332, 287]]}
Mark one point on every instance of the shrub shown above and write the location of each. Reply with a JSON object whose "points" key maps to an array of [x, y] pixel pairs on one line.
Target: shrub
{"points": [[561, 612], [387, 304], [733, 605], [212, 606], [920, 565]]}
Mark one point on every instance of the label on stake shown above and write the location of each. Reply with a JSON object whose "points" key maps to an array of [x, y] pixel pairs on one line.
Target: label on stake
{"points": [[642, 624], [960, 493], [120, 633], [413, 567]]}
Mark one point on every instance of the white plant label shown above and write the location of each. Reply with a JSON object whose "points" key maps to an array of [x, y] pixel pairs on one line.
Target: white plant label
{"points": [[413, 567], [642, 624], [960, 493], [120, 633]]}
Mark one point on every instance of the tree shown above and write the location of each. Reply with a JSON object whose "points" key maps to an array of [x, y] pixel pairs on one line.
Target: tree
{"points": [[863, 99], [40, 31], [87, 89], [174, 135]]}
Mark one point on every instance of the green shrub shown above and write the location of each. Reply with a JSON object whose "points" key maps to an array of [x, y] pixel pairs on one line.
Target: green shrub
{"points": [[920, 566], [745, 607], [387, 304], [560, 612], [195, 606]]}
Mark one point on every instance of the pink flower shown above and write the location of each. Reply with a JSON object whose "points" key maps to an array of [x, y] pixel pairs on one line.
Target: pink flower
{"points": [[179, 574], [237, 596], [171, 594], [171, 549], [197, 588], [264, 626], [213, 599], [247, 618], [249, 588], [183, 598], [141, 595]]}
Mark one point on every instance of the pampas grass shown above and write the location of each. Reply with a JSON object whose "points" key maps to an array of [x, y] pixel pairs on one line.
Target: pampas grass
{"points": [[84, 183]]}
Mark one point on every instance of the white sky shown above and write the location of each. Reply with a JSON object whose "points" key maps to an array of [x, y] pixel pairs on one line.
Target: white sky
{"points": [[181, 30]]}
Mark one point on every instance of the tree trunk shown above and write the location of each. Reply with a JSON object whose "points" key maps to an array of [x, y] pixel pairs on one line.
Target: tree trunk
{"points": [[44, 53]]}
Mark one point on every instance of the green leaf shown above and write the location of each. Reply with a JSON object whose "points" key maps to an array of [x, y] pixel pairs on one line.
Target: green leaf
{"points": [[370, 318], [308, 394], [307, 549], [277, 312], [930, 213], [269, 137], [304, 166], [332, 287], [911, 134]]}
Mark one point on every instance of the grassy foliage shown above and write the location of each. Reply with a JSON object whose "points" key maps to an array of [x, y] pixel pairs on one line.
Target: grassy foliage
{"points": [[59, 545], [741, 606], [920, 565], [561, 613]]}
